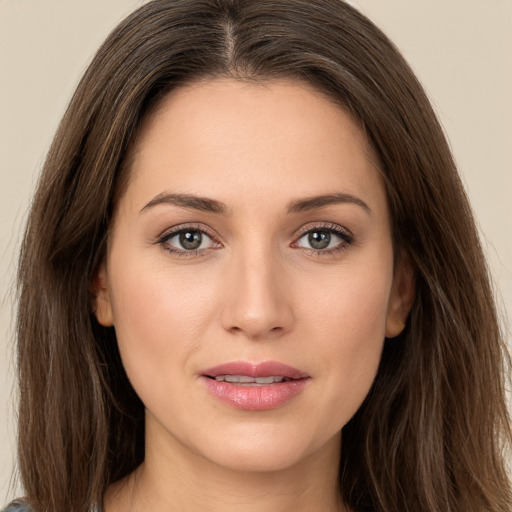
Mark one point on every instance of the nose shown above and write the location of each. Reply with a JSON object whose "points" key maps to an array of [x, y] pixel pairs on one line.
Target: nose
{"points": [[258, 303]]}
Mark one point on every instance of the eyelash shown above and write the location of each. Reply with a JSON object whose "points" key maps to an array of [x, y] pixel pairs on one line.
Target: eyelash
{"points": [[183, 253], [346, 239]]}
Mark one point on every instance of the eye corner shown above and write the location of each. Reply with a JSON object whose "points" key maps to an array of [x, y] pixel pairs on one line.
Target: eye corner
{"points": [[188, 246], [326, 244]]}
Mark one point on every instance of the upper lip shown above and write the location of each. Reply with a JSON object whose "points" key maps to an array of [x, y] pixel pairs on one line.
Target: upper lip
{"points": [[264, 369]]}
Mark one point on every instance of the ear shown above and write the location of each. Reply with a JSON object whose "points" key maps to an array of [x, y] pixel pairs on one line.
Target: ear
{"points": [[401, 298], [101, 304]]}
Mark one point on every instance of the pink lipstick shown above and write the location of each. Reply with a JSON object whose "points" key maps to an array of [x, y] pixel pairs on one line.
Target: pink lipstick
{"points": [[255, 387]]}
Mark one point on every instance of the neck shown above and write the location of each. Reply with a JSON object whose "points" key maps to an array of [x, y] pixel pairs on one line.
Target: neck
{"points": [[174, 479]]}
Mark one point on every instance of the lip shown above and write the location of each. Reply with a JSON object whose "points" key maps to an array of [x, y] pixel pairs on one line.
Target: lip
{"points": [[264, 369], [259, 397]]}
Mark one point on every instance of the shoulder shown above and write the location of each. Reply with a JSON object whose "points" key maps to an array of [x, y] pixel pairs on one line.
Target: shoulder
{"points": [[17, 506], [21, 506]]}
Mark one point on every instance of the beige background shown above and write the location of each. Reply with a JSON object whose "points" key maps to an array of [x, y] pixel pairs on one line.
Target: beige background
{"points": [[461, 50]]}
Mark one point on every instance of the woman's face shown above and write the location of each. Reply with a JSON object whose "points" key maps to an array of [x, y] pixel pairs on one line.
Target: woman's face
{"points": [[250, 274]]}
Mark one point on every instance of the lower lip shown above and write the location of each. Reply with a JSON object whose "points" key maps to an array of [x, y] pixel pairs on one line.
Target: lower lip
{"points": [[255, 397]]}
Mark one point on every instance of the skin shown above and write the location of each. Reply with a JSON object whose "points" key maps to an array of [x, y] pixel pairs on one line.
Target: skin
{"points": [[256, 290]]}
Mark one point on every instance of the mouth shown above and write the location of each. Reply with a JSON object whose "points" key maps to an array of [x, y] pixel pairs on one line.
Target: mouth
{"points": [[245, 380], [246, 372], [255, 387]]}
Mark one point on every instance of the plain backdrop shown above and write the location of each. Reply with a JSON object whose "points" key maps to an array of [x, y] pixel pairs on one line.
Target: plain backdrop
{"points": [[460, 49]]}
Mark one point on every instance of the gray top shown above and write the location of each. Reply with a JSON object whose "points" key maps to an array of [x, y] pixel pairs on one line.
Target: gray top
{"points": [[18, 506]]}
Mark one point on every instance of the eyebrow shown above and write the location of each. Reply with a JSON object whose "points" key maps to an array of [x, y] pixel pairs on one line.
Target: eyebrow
{"points": [[188, 201], [311, 203], [206, 204]]}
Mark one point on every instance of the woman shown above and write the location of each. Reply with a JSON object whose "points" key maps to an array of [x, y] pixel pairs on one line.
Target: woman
{"points": [[241, 284]]}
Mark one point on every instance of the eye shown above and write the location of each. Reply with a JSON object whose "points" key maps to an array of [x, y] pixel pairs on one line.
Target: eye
{"points": [[324, 239], [187, 240]]}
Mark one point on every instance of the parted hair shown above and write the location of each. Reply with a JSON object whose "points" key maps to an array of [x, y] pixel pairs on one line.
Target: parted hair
{"points": [[432, 433]]}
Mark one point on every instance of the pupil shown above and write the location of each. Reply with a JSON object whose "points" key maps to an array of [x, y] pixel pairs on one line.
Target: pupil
{"points": [[191, 239], [319, 239]]}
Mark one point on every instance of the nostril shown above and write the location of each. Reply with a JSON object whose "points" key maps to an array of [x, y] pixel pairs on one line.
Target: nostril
{"points": [[255, 317]]}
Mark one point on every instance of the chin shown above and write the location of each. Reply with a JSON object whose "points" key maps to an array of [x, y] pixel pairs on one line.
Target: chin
{"points": [[257, 459], [268, 449]]}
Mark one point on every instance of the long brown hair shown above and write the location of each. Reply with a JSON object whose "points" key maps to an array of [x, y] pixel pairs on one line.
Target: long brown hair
{"points": [[431, 434]]}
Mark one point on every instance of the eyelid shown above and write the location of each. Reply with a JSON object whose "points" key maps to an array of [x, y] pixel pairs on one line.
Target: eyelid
{"points": [[173, 231], [343, 233], [346, 236], [326, 226]]}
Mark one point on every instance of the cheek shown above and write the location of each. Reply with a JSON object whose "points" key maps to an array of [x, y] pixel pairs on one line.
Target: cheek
{"points": [[159, 318], [348, 324], [350, 305]]}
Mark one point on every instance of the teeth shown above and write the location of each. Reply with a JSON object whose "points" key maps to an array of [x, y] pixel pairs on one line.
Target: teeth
{"points": [[265, 380], [244, 379]]}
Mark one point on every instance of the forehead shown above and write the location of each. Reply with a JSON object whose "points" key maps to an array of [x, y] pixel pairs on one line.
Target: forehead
{"points": [[224, 135]]}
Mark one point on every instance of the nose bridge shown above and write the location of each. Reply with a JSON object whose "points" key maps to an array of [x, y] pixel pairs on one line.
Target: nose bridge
{"points": [[258, 303]]}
